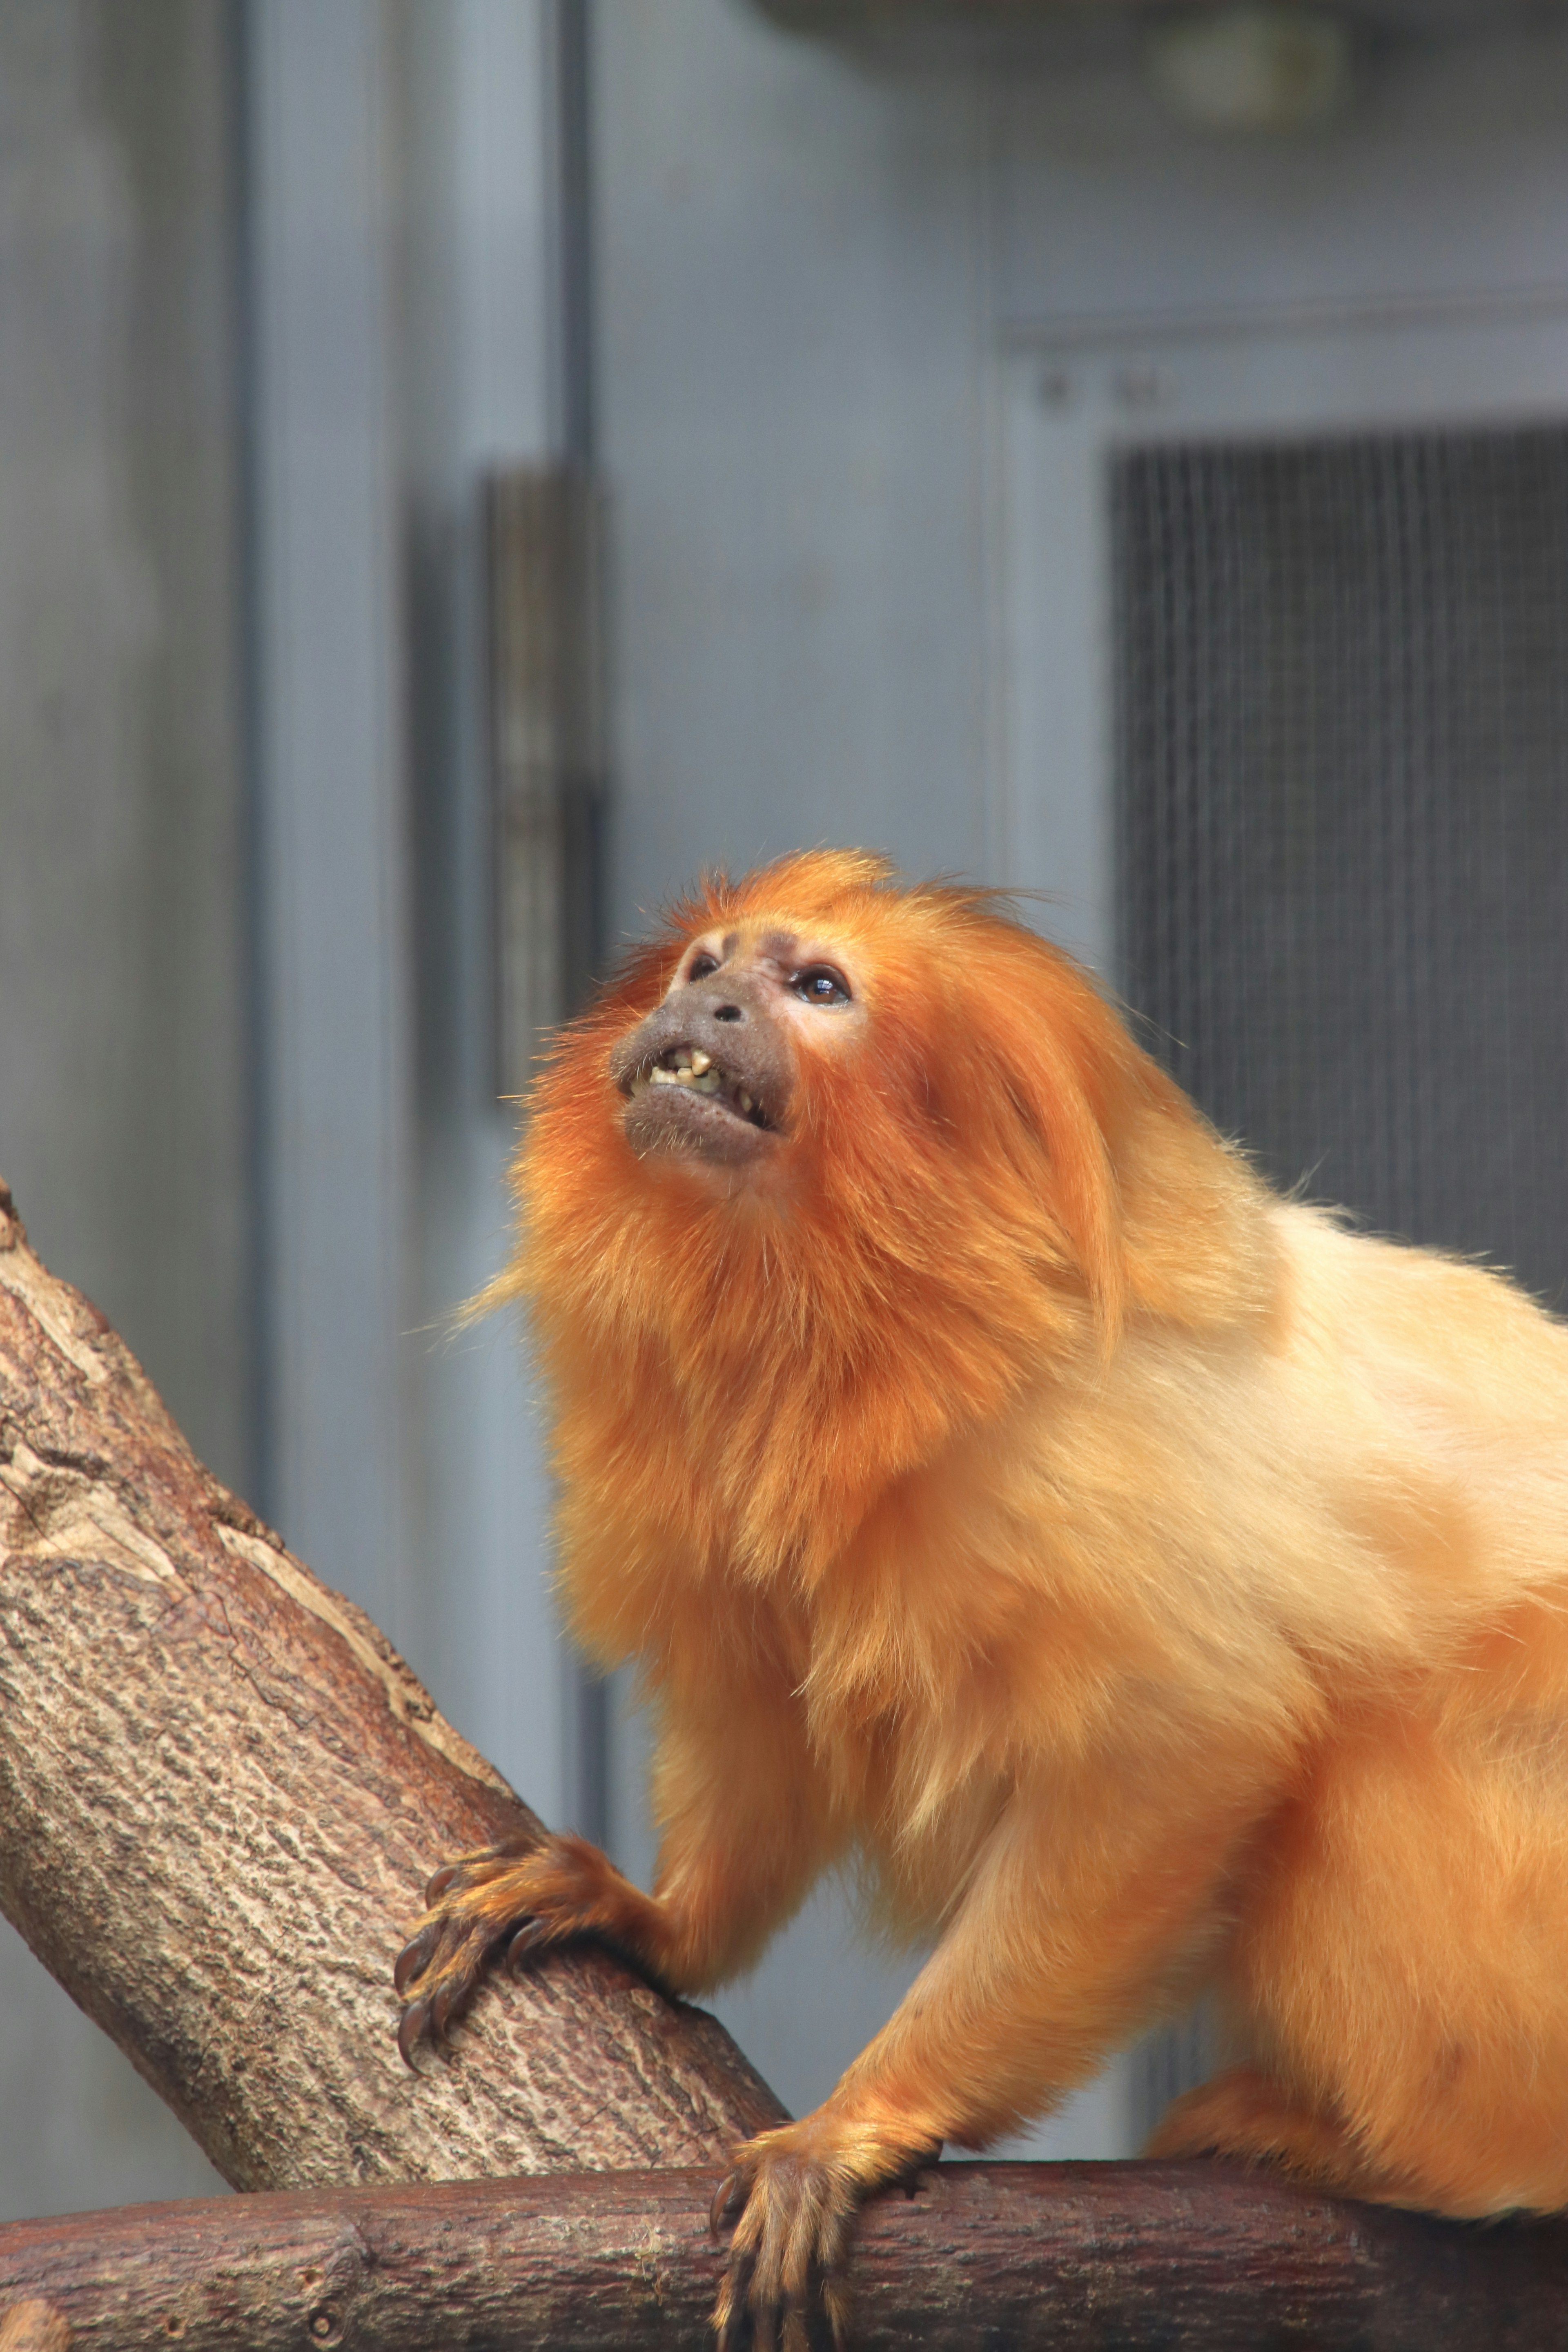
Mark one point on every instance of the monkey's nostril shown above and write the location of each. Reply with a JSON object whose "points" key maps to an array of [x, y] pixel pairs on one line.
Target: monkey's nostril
{"points": [[728, 1013]]}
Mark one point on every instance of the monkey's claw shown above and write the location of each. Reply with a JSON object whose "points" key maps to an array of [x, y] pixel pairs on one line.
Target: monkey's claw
{"points": [[415, 1957], [527, 1896], [792, 2197], [471, 1910], [412, 2028], [792, 2224]]}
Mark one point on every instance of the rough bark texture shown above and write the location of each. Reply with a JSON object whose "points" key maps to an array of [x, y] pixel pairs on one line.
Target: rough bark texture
{"points": [[1141, 2257], [221, 1793]]}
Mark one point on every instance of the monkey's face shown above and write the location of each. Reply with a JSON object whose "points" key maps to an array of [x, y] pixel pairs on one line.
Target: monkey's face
{"points": [[712, 1073], [820, 1101]]}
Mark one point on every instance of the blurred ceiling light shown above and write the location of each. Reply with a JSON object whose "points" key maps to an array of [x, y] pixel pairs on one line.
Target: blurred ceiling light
{"points": [[1263, 67]]}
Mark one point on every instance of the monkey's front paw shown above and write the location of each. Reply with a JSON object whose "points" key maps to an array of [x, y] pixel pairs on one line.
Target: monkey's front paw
{"points": [[527, 1895], [793, 2195]]}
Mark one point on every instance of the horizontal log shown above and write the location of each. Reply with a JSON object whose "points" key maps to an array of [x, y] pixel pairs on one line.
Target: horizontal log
{"points": [[1137, 2256], [850, 19]]}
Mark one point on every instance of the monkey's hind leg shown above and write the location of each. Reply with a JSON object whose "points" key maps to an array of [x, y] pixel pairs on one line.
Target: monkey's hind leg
{"points": [[528, 1894], [1241, 2113]]}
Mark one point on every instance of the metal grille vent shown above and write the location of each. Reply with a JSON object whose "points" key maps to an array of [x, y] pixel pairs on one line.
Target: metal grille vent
{"points": [[1343, 816]]}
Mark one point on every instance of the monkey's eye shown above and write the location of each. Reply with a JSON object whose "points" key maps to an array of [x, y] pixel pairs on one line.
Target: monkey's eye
{"points": [[701, 965], [819, 984]]}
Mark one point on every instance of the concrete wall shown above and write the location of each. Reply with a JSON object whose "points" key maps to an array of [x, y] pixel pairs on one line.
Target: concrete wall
{"points": [[123, 1061], [275, 288], [401, 295], [480, 384], [793, 314]]}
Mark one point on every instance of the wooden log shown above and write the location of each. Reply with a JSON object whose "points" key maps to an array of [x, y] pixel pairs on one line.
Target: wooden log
{"points": [[1145, 2258], [849, 18], [221, 1792]]}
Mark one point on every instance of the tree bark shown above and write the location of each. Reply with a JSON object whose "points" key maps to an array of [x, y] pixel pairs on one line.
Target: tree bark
{"points": [[221, 1793], [1140, 2256]]}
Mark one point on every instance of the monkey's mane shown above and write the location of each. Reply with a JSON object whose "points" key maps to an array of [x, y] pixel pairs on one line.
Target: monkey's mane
{"points": [[955, 1212]]}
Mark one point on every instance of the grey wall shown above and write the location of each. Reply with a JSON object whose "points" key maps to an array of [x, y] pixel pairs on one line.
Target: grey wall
{"points": [[401, 299], [334, 883], [1449, 180], [282, 1211], [793, 318], [480, 379], [123, 1078]]}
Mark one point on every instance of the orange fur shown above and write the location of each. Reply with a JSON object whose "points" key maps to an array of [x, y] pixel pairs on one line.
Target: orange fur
{"points": [[1155, 1584]]}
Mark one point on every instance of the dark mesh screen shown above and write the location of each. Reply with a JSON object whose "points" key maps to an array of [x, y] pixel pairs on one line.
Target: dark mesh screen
{"points": [[1342, 817]]}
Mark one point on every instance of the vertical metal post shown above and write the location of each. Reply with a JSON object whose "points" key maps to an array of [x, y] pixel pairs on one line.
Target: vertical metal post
{"points": [[543, 553], [574, 27], [544, 533], [335, 1025]]}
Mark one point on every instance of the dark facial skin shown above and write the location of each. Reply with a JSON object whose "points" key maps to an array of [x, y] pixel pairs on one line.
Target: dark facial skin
{"points": [[729, 1020]]}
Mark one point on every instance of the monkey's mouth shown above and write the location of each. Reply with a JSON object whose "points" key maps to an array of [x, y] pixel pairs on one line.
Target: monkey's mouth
{"points": [[695, 1074]]}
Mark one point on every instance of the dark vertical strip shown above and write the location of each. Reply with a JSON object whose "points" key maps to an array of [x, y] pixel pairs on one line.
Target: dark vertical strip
{"points": [[583, 915], [584, 926], [245, 360], [590, 1756]]}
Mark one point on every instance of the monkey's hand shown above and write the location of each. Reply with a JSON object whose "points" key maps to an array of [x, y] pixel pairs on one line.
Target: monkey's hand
{"points": [[793, 2195], [529, 1895]]}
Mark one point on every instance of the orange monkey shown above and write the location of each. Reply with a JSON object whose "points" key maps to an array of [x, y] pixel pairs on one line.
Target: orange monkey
{"points": [[1155, 1585]]}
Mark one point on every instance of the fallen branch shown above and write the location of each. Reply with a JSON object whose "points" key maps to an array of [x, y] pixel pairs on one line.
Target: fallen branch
{"points": [[1058, 2255], [220, 1794]]}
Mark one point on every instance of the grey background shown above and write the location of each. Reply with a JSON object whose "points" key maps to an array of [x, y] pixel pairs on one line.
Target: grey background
{"points": [[125, 1062]]}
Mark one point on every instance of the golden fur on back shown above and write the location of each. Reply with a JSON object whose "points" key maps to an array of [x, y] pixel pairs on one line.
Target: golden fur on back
{"points": [[1153, 1582]]}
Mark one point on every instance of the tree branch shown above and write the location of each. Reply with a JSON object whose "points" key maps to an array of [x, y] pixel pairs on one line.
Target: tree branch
{"points": [[220, 1794], [1068, 2256]]}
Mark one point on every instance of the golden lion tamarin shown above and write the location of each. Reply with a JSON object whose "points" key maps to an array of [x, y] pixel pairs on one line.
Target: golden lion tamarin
{"points": [[1154, 1584]]}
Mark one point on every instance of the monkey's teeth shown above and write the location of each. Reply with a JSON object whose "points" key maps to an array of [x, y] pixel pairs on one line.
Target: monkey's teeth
{"points": [[706, 1081], [697, 1076]]}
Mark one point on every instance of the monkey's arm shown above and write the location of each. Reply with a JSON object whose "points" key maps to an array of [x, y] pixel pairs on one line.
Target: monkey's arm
{"points": [[1092, 1898], [744, 1835]]}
